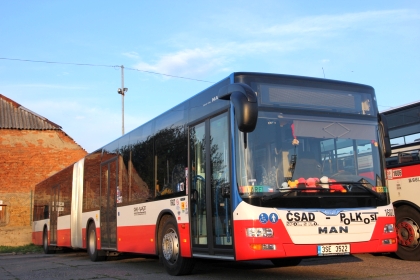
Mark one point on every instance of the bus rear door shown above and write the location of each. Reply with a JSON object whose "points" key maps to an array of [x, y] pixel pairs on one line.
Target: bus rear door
{"points": [[108, 210]]}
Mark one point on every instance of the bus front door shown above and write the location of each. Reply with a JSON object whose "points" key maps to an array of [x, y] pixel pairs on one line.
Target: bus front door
{"points": [[211, 218], [108, 210]]}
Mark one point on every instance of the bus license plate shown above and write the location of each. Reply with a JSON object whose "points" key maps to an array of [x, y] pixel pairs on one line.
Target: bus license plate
{"points": [[333, 249]]}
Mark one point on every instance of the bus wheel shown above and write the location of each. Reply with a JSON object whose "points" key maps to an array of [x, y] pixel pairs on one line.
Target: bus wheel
{"points": [[408, 230], [283, 262], [47, 249], [92, 249], [170, 251]]}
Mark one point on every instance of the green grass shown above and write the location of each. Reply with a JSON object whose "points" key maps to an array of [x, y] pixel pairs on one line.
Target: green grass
{"points": [[31, 248]]}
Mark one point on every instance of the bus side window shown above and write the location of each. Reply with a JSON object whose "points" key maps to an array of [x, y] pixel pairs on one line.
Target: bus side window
{"points": [[178, 178], [46, 212], [403, 157], [392, 161]]}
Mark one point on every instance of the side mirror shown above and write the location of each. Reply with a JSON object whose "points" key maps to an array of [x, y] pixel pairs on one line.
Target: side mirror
{"points": [[244, 101], [386, 142]]}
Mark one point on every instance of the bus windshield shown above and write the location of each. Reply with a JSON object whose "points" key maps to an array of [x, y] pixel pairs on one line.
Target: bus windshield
{"points": [[302, 161]]}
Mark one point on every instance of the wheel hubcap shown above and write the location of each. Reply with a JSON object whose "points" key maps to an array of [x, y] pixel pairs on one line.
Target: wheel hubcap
{"points": [[408, 233], [170, 246]]}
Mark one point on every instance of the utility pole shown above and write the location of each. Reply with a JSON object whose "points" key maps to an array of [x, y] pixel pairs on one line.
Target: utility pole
{"points": [[122, 91]]}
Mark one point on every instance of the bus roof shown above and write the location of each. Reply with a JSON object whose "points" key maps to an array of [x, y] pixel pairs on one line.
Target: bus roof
{"points": [[402, 107]]}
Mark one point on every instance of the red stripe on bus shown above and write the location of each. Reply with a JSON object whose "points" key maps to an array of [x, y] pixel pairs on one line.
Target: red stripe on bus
{"points": [[243, 243], [137, 239], [406, 172], [141, 239], [37, 237], [184, 238], [98, 238], [64, 238]]}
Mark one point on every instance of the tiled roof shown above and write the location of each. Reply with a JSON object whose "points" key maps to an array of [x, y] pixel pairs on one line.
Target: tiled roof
{"points": [[15, 116]]}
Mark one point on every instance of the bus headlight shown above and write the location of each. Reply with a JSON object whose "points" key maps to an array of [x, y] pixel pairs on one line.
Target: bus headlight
{"points": [[259, 232], [388, 228]]}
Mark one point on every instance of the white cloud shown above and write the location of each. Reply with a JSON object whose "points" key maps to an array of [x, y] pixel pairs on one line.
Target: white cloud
{"points": [[302, 33], [326, 23], [187, 61], [131, 54], [199, 61]]}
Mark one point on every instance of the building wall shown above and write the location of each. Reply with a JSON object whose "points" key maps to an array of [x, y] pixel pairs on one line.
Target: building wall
{"points": [[26, 158], [17, 229]]}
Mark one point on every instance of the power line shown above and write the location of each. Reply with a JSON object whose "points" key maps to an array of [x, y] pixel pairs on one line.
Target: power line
{"points": [[103, 65], [157, 73], [55, 62]]}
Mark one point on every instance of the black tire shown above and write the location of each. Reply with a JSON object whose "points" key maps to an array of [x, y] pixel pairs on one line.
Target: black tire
{"points": [[47, 249], [170, 249], [408, 230], [94, 254], [284, 262]]}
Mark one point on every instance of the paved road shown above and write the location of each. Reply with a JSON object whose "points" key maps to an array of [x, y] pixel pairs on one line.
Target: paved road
{"points": [[77, 266]]}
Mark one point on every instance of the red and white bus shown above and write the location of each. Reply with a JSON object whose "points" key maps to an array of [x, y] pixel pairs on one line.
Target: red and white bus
{"points": [[403, 176], [251, 168]]}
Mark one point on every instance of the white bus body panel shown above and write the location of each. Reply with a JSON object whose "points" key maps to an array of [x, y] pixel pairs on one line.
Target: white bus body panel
{"points": [[319, 226]]}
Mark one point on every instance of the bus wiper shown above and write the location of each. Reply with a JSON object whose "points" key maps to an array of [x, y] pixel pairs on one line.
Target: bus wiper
{"points": [[286, 192], [348, 184]]}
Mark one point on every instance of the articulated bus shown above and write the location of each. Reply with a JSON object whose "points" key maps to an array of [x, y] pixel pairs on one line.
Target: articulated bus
{"points": [[251, 168], [403, 176]]}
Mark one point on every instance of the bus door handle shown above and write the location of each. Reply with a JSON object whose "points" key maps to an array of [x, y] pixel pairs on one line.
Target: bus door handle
{"points": [[226, 190]]}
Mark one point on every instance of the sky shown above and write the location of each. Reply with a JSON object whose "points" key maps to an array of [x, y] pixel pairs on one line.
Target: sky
{"points": [[62, 59]]}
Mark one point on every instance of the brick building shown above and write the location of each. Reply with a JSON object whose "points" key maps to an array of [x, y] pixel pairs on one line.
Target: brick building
{"points": [[31, 149]]}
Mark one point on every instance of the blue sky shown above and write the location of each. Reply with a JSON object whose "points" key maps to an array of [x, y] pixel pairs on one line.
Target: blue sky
{"points": [[369, 42]]}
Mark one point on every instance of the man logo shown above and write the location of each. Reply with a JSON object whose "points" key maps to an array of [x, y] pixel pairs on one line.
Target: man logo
{"points": [[333, 230]]}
